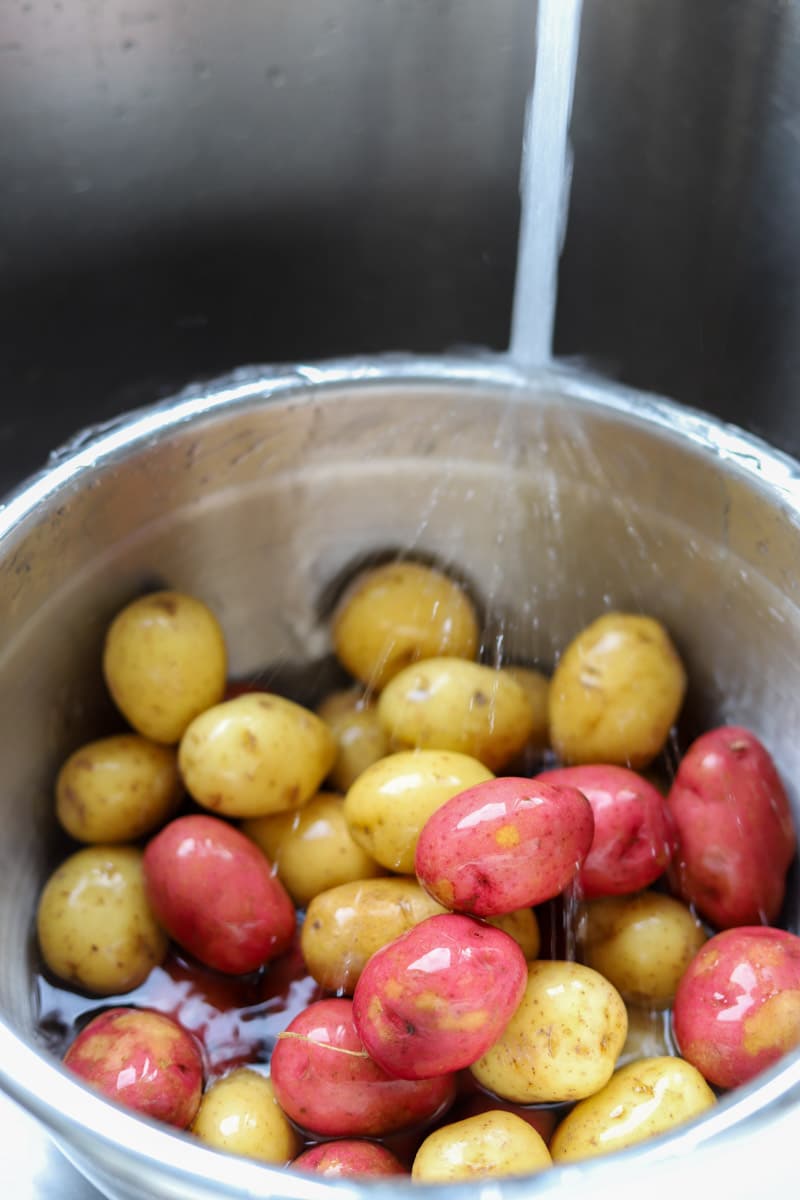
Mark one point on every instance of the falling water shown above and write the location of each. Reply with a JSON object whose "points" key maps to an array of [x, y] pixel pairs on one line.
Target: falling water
{"points": [[545, 180]]}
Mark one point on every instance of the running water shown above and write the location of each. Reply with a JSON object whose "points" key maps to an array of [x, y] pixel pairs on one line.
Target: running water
{"points": [[545, 179]]}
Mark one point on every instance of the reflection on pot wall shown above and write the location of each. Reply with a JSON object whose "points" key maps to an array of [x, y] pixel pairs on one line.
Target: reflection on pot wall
{"points": [[188, 186]]}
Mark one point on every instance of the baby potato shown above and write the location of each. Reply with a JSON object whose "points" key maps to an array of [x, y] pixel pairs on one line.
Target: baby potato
{"points": [[642, 944], [360, 739], [345, 925], [312, 849], [640, 1101], [95, 926], [451, 704], [496, 1143], [239, 1113], [117, 789], [390, 802], [616, 692], [396, 614], [255, 755], [537, 689], [523, 927], [164, 661], [563, 1041], [349, 1157]]}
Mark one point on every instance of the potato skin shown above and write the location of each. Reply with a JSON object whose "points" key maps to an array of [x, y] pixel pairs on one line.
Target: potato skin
{"points": [[117, 789], [396, 614], [164, 661], [327, 1083], [390, 802], [214, 892], [642, 944], [633, 833], [640, 1101], [504, 845], [737, 1007], [239, 1114], [452, 704], [536, 686], [735, 834], [435, 999], [312, 849], [495, 1143], [616, 692], [563, 1040], [96, 928], [255, 755], [345, 925], [348, 1157], [143, 1060], [360, 740]]}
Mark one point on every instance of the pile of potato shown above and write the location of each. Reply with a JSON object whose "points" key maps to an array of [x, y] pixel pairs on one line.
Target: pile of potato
{"points": [[407, 834]]}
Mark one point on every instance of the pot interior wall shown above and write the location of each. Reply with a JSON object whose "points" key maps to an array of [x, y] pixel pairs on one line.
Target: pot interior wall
{"points": [[553, 508]]}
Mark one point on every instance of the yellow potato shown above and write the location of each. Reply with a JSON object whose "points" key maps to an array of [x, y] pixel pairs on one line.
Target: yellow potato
{"points": [[346, 925], [255, 755], [616, 692], [360, 739], [649, 1035], [495, 1143], [389, 803], [312, 849], [94, 924], [563, 1041], [641, 943], [117, 789], [239, 1113], [396, 614], [523, 927], [537, 689], [642, 1100], [451, 704], [164, 662]]}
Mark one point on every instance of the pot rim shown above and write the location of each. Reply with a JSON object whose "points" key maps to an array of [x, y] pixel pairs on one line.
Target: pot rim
{"points": [[75, 1114]]}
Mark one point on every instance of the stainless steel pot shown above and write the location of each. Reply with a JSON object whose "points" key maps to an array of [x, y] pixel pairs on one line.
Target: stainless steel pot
{"points": [[557, 495]]}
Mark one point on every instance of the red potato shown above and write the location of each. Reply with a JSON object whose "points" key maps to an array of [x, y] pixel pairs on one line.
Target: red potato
{"points": [[735, 835], [737, 1008], [326, 1083], [436, 998], [349, 1157], [504, 844], [143, 1060], [214, 892], [633, 834]]}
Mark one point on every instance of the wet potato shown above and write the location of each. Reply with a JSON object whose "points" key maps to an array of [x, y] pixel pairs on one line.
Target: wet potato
{"points": [[493, 1144], [360, 740], [239, 1114]]}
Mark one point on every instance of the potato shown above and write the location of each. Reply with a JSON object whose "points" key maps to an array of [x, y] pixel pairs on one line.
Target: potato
{"points": [[117, 789], [347, 1157], [562, 1042], [523, 927], [239, 1113], [504, 844], [215, 893], [616, 692], [436, 998], [450, 704], [737, 1008], [312, 849], [327, 1083], [640, 1101], [735, 832], [255, 755], [633, 832], [642, 944], [390, 802], [360, 740], [542, 1118], [143, 1060], [347, 924], [164, 661], [396, 614], [495, 1144], [95, 925], [537, 689]]}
